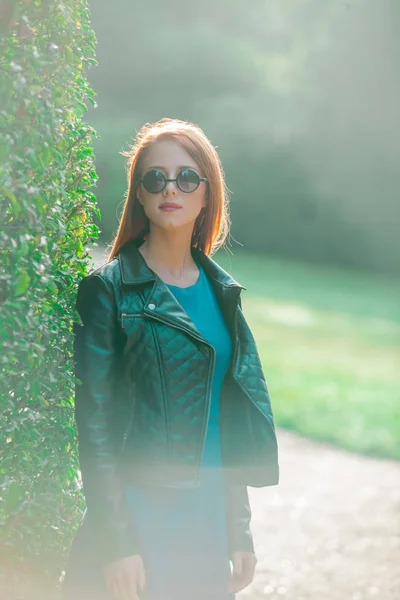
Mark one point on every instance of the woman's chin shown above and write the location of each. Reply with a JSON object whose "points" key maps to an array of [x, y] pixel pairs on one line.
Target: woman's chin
{"points": [[171, 221]]}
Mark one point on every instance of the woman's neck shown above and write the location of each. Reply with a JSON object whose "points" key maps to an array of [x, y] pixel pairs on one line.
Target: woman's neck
{"points": [[169, 255]]}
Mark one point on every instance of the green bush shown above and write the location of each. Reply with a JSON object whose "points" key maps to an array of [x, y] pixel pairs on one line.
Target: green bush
{"points": [[46, 220]]}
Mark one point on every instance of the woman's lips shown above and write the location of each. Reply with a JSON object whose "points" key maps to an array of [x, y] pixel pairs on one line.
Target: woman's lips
{"points": [[169, 207]]}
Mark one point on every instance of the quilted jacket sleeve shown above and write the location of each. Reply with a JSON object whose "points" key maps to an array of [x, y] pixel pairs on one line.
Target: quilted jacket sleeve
{"points": [[238, 519], [96, 356]]}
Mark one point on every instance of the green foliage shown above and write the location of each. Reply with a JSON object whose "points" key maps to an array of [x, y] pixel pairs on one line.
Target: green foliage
{"points": [[46, 211]]}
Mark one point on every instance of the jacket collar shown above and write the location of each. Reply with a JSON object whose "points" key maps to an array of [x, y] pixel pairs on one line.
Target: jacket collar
{"points": [[134, 269], [161, 302]]}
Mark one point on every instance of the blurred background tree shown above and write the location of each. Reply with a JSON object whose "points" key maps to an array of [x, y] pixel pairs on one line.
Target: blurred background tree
{"points": [[300, 97]]}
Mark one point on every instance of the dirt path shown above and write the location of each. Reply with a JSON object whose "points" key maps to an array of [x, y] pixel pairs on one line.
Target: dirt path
{"points": [[331, 529]]}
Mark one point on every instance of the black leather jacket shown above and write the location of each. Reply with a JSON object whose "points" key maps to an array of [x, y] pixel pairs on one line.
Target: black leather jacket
{"points": [[143, 402]]}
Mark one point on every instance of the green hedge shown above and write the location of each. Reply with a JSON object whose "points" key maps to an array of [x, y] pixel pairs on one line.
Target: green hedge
{"points": [[46, 220]]}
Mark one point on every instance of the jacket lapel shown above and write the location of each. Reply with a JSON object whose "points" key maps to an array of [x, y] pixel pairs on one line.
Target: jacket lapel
{"points": [[161, 304]]}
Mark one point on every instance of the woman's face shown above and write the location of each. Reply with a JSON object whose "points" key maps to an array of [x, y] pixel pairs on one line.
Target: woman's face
{"points": [[170, 158]]}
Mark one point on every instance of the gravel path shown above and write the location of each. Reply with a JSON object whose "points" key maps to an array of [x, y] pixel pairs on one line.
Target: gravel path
{"points": [[331, 529]]}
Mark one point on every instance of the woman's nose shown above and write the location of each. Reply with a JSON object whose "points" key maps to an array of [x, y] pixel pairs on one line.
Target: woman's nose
{"points": [[171, 188]]}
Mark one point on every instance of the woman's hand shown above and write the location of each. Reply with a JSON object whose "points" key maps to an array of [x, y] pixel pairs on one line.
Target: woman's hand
{"points": [[244, 564], [125, 577]]}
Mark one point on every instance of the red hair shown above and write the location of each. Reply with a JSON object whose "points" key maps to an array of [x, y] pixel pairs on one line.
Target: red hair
{"points": [[212, 225]]}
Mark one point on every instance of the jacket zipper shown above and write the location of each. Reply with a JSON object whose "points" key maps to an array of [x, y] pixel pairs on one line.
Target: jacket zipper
{"points": [[205, 426], [129, 426], [162, 376], [128, 315], [166, 322], [235, 341]]}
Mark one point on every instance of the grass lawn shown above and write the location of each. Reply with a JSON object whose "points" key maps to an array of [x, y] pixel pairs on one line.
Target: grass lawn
{"points": [[329, 340]]}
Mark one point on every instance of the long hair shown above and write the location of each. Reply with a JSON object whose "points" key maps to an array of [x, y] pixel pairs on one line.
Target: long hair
{"points": [[212, 225]]}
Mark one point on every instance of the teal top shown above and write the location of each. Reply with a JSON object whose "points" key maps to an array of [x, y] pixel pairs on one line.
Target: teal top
{"points": [[182, 531], [201, 305]]}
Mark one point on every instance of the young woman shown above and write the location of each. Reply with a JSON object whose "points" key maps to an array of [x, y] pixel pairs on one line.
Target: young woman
{"points": [[173, 414]]}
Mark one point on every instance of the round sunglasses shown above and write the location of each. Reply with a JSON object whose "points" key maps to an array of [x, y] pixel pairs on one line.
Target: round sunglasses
{"points": [[187, 180]]}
